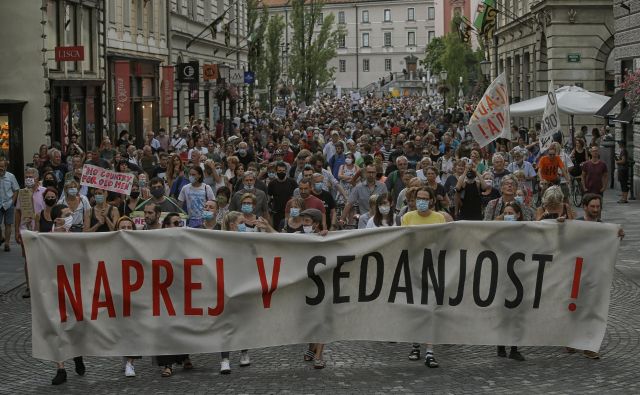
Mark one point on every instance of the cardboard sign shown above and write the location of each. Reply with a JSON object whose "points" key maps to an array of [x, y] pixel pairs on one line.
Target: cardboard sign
{"points": [[550, 120], [139, 222], [97, 177], [25, 197]]}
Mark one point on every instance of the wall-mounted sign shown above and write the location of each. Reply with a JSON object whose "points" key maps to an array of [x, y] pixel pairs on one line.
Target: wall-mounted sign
{"points": [[69, 54], [236, 76], [189, 72], [573, 58]]}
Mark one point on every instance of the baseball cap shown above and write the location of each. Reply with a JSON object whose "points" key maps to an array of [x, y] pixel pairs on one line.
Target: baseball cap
{"points": [[312, 213]]}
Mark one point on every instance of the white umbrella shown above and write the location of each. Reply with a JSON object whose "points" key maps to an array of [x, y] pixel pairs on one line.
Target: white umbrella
{"points": [[572, 100]]}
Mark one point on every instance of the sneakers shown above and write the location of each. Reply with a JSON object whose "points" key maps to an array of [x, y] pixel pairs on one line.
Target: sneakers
{"points": [[591, 354], [244, 359], [318, 364], [225, 366], [516, 356], [80, 368], [61, 377], [414, 355], [430, 361], [129, 371]]}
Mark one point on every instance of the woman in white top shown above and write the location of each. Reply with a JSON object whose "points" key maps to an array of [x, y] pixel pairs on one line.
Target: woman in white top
{"points": [[78, 204], [384, 214]]}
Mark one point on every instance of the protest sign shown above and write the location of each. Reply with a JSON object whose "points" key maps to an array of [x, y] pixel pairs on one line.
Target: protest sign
{"points": [[550, 120], [97, 177], [279, 112], [138, 218], [25, 196], [480, 283], [491, 119]]}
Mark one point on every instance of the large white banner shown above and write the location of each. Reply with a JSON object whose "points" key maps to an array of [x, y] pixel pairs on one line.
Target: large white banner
{"points": [[491, 119], [550, 120], [180, 291]]}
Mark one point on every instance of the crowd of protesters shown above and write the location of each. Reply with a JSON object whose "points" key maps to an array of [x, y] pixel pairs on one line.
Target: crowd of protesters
{"points": [[335, 165]]}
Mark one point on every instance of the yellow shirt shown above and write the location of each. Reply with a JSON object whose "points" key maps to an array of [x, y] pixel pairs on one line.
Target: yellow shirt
{"points": [[413, 218]]}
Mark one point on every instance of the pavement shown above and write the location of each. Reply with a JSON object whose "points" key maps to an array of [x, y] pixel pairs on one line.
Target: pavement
{"points": [[352, 367]]}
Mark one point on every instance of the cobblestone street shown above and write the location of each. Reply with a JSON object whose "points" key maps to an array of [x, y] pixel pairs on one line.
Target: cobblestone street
{"points": [[353, 367]]}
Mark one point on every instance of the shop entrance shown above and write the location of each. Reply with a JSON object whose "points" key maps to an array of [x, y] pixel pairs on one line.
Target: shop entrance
{"points": [[11, 136]]}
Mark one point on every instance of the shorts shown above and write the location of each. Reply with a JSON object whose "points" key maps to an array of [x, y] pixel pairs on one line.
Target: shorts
{"points": [[7, 215]]}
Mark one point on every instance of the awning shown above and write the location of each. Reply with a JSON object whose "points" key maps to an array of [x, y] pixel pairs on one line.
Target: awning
{"points": [[626, 116], [608, 106]]}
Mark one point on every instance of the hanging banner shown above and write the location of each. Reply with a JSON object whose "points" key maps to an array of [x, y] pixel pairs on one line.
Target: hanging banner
{"points": [[550, 120], [122, 91], [491, 119], [194, 92], [189, 72], [64, 125], [455, 283], [209, 72], [97, 177], [166, 87]]}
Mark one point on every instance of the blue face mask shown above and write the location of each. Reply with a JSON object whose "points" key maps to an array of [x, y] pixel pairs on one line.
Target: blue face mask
{"points": [[294, 211], [207, 215], [247, 208], [422, 205], [242, 227], [99, 198], [509, 217], [519, 199], [272, 175], [193, 179], [318, 186]]}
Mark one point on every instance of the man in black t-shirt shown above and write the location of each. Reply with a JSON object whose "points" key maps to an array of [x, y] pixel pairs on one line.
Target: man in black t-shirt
{"points": [[280, 190]]}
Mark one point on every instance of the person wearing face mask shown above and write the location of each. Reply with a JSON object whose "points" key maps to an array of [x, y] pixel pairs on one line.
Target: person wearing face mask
{"points": [[469, 190], [143, 183], [245, 154], [209, 215], [103, 216], [253, 222], [293, 221], [157, 191], [62, 218], [348, 174], [43, 220], [195, 194], [423, 215], [508, 187], [362, 192], [280, 191], [248, 186], [49, 180], [78, 204], [222, 199], [383, 216], [29, 223], [511, 212], [327, 200], [524, 200], [131, 202], [491, 192]]}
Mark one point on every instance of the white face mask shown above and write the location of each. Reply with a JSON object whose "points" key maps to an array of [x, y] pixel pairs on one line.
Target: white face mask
{"points": [[307, 228], [384, 210], [29, 182]]}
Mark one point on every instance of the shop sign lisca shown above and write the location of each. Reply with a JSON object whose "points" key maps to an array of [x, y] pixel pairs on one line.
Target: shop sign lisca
{"points": [[69, 54]]}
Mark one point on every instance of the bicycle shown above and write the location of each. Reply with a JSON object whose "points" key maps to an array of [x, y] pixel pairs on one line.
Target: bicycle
{"points": [[576, 191]]}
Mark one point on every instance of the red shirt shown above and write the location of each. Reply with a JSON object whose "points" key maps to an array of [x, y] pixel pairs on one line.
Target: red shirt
{"points": [[592, 173]]}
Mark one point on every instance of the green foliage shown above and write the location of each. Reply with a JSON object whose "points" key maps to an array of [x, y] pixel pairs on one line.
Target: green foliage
{"points": [[272, 58], [311, 51], [257, 19], [433, 55]]}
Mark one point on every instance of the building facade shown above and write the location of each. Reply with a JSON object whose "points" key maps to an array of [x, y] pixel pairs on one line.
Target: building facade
{"points": [[56, 52], [137, 49], [187, 19], [376, 38], [568, 42], [627, 57]]}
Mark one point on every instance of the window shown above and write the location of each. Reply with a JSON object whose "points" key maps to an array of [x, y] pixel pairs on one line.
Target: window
{"points": [[387, 15], [69, 33], [365, 16], [87, 38], [126, 13], [411, 14], [320, 19], [139, 16], [365, 64], [150, 26], [387, 39], [431, 13], [343, 65], [341, 17], [431, 36], [387, 65], [342, 41], [411, 38], [365, 39]]}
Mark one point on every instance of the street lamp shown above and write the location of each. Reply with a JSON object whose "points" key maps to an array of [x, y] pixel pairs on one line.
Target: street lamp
{"points": [[443, 78], [317, 89], [485, 68], [293, 88], [424, 85]]}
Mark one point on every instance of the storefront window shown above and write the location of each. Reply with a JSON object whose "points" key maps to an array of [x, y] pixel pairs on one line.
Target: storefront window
{"points": [[70, 30], [147, 87], [147, 117], [5, 133]]}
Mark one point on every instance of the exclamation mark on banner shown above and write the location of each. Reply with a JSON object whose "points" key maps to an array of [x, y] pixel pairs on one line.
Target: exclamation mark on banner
{"points": [[575, 288]]}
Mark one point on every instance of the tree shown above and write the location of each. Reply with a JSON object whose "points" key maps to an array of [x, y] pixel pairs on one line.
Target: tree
{"points": [[257, 24], [433, 54], [311, 51], [273, 65]]}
